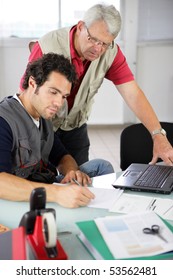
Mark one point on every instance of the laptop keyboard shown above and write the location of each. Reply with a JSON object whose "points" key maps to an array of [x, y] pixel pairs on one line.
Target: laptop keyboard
{"points": [[154, 176]]}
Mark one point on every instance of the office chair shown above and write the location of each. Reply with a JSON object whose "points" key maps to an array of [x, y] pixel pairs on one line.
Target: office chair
{"points": [[136, 145]]}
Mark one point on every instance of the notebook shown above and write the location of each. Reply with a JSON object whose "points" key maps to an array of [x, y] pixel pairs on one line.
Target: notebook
{"points": [[146, 177]]}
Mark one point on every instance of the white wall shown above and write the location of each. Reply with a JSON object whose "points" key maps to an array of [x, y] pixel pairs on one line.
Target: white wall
{"points": [[108, 106], [13, 54], [155, 76]]}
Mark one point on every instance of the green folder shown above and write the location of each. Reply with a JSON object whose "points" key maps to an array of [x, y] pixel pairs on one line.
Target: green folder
{"points": [[93, 235]]}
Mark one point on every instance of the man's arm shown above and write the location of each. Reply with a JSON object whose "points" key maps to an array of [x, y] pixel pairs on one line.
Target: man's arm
{"points": [[137, 101], [18, 189]]}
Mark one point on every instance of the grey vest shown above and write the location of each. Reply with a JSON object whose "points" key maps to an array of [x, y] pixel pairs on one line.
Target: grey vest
{"points": [[31, 146], [58, 41]]}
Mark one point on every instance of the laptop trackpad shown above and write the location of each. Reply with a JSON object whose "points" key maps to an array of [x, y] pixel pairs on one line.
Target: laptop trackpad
{"points": [[131, 173]]}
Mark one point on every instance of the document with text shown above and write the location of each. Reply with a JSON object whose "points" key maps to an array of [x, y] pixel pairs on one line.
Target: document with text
{"points": [[130, 203], [125, 238]]}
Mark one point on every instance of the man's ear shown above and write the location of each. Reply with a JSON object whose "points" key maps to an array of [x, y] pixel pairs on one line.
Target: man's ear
{"points": [[80, 25], [31, 82]]}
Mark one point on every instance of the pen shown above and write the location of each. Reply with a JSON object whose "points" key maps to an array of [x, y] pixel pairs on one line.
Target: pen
{"points": [[75, 181]]}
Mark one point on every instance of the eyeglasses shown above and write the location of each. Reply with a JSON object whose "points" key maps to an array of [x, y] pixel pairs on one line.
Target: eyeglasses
{"points": [[97, 42]]}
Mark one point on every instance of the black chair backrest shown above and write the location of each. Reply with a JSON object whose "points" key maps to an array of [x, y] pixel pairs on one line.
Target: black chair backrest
{"points": [[136, 145]]}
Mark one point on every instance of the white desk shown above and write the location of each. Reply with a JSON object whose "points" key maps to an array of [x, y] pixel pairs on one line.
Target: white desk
{"points": [[12, 212]]}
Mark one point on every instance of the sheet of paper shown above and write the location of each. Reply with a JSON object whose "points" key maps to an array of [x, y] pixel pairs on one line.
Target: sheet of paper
{"points": [[163, 207], [104, 198], [125, 237], [130, 203], [169, 214], [104, 181]]}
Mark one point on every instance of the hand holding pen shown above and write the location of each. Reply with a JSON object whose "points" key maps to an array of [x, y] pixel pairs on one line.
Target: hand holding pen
{"points": [[73, 195], [76, 182]]}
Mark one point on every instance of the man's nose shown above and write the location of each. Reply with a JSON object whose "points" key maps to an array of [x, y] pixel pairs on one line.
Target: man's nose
{"points": [[98, 47], [59, 100]]}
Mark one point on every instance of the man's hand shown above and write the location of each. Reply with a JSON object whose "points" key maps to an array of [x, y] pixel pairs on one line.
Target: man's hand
{"points": [[72, 195], [82, 178], [162, 149], [69, 167]]}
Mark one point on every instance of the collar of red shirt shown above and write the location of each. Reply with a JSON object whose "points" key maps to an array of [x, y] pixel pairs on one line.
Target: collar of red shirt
{"points": [[73, 52]]}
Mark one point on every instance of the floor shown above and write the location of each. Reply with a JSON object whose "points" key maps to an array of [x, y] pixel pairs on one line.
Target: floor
{"points": [[105, 143]]}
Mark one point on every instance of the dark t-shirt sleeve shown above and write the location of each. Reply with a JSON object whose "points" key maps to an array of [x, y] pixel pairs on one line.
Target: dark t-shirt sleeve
{"points": [[6, 144], [58, 151]]}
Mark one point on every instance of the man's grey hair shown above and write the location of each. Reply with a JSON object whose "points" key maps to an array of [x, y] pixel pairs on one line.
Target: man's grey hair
{"points": [[106, 13]]}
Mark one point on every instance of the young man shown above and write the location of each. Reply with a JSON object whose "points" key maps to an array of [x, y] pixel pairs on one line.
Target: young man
{"points": [[29, 150], [91, 47]]}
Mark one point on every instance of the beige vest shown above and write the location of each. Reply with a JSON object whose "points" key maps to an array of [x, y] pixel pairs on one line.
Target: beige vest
{"points": [[58, 41]]}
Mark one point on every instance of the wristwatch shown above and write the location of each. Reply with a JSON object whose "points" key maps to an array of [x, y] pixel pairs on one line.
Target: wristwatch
{"points": [[159, 131]]}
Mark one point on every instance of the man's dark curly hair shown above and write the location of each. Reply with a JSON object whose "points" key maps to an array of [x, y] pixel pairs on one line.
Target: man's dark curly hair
{"points": [[41, 68]]}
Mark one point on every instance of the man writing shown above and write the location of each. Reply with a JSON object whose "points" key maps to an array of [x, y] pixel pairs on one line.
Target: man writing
{"points": [[30, 152]]}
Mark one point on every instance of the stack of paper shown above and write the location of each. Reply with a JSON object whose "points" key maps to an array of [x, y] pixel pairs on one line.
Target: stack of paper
{"points": [[122, 237]]}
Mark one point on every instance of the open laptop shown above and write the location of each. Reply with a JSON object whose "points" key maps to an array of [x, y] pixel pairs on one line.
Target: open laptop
{"points": [[146, 177]]}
